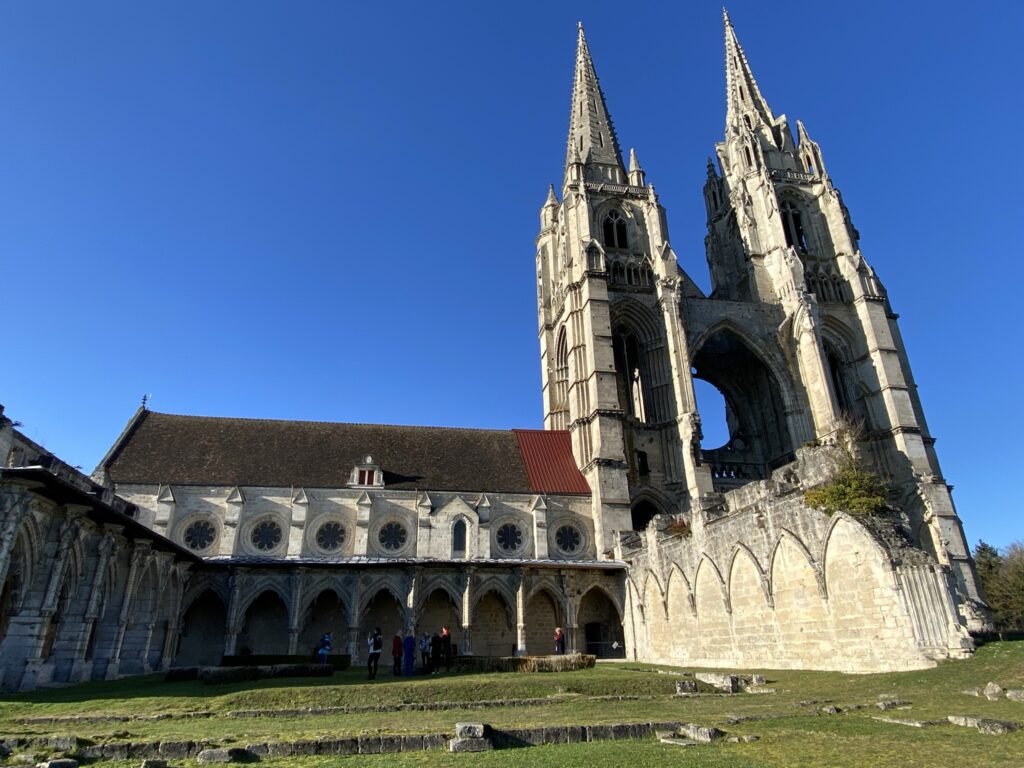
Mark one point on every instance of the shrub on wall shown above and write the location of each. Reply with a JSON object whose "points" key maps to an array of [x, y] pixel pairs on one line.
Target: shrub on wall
{"points": [[852, 488]]}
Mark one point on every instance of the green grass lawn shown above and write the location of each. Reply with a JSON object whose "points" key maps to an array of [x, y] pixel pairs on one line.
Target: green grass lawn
{"points": [[791, 728]]}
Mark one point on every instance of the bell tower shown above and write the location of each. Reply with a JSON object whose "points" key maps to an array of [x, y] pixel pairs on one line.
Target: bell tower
{"points": [[779, 234], [612, 348]]}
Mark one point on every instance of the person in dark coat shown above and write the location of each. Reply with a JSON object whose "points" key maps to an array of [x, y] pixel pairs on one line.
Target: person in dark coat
{"points": [[374, 644], [396, 653], [409, 655], [559, 641], [425, 652], [435, 653]]}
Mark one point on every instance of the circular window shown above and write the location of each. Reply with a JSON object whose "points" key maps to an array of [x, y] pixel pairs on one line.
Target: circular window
{"points": [[266, 535], [392, 536], [331, 536], [568, 539], [200, 535], [510, 537]]}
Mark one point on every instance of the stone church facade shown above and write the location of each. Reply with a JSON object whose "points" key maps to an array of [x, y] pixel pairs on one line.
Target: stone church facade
{"points": [[198, 537]]}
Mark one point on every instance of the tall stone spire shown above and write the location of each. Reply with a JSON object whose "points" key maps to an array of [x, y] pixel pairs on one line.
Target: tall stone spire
{"points": [[591, 133], [743, 98]]}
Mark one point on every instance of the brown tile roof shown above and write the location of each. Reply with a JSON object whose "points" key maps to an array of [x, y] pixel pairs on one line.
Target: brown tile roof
{"points": [[200, 450]]}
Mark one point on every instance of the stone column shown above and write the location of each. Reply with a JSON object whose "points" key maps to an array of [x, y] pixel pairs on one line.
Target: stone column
{"points": [[521, 617], [175, 618], [467, 614], [139, 557], [231, 628]]}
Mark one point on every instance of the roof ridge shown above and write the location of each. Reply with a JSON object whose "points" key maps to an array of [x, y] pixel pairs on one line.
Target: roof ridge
{"points": [[339, 423]]}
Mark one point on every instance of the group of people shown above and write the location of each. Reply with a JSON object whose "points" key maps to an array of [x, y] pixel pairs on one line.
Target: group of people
{"points": [[435, 651]]}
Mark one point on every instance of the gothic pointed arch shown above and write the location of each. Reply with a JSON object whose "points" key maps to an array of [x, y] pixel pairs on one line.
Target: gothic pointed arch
{"points": [[741, 550], [706, 565], [560, 382], [758, 397]]}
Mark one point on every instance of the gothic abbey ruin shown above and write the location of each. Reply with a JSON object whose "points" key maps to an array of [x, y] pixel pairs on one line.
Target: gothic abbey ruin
{"points": [[198, 537]]}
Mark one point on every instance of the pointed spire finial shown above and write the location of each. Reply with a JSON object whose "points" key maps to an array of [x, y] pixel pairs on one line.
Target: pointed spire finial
{"points": [[743, 97], [633, 164], [591, 133], [552, 199]]}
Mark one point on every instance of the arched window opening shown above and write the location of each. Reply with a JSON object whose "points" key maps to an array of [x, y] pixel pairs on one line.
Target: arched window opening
{"points": [[9, 598], [750, 159], [459, 540], [746, 119], [615, 231], [560, 389], [835, 369], [714, 414], [755, 438], [594, 263], [643, 469], [792, 223], [630, 375], [642, 514]]}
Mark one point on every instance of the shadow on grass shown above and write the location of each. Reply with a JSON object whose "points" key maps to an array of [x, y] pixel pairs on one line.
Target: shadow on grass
{"points": [[154, 687]]}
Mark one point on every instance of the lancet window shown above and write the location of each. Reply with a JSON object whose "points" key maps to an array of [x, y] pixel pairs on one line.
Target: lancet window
{"points": [[615, 231]]}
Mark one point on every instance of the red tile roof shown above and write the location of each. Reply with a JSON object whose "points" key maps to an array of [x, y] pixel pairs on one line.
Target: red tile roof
{"points": [[549, 462]]}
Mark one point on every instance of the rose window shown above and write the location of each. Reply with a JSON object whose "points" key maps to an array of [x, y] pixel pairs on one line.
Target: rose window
{"points": [[568, 539], [392, 536], [200, 535], [330, 536], [266, 535], [510, 538]]}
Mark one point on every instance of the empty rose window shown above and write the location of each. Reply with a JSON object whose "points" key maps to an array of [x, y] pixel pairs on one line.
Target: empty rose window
{"points": [[568, 539], [266, 535], [331, 536], [510, 538], [200, 535], [392, 536]]}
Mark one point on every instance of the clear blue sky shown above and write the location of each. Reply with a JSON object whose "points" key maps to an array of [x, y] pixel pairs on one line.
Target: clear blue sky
{"points": [[322, 210]]}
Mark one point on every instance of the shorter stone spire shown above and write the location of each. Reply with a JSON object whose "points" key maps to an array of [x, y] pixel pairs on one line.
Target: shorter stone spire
{"points": [[637, 177], [552, 199]]}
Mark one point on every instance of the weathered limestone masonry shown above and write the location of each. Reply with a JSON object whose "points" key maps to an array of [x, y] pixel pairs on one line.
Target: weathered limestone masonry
{"points": [[87, 592], [198, 537], [799, 337], [767, 582]]}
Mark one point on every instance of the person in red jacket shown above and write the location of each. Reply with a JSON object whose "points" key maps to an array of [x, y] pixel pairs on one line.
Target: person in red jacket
{"points": [[396, 653]]}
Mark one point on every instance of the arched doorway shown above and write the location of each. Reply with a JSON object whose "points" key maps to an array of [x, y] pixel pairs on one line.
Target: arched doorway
{"points": [[327, 613], [201, 642], [265, 628], [759, 438], [599, 626], [494, 628], [542, 616]]}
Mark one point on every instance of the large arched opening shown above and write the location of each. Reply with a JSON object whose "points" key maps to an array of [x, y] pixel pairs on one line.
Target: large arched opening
{"points": [[326, 613], [201, 642], [385, 613], [542, 616], [265, 629], [758, 434], [494, 628], [599, 623]]}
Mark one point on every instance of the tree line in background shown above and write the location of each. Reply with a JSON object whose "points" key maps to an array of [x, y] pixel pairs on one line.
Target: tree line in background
{"points": [[1002, 579]]}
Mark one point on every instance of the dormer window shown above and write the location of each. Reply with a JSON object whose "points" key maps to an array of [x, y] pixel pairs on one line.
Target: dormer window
{"points": [[366, 474]]}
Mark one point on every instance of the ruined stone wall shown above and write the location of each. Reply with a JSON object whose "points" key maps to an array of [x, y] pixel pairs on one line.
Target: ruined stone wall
{"points": [[766, 582]]}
